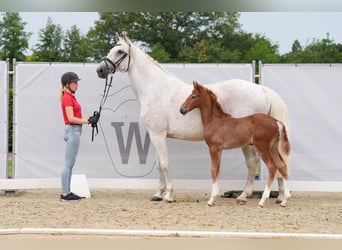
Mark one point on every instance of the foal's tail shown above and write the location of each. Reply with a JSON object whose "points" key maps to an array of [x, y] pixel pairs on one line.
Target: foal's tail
{"points": [[283, 138]]}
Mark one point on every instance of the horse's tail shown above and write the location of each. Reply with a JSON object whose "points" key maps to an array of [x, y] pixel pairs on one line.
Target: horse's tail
{"points": [[283, 139]]}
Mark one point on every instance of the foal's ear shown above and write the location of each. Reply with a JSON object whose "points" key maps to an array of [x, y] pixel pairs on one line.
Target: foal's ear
{"points": [[117, 37]]}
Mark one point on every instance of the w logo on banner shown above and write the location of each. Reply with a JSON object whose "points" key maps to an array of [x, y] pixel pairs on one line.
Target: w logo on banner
{"points": [[125, 148], [127, 142]]}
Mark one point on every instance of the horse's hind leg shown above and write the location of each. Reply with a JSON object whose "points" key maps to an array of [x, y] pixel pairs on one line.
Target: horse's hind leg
{"points": [[252, 160], [287, 193], [282, 169]]}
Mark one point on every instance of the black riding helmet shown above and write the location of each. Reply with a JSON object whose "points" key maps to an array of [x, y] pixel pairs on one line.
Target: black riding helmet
{"points": [[69, 77]]}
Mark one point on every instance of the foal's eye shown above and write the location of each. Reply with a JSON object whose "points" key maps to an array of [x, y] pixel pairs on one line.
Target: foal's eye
{"points": [[193, 97]]}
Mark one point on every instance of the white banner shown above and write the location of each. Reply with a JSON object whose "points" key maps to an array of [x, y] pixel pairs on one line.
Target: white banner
{"points": [[122, 149], [313, 94], [3, 118]]}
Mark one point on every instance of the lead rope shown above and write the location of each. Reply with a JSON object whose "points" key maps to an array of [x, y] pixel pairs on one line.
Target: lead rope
{"points": [[102, 102]]}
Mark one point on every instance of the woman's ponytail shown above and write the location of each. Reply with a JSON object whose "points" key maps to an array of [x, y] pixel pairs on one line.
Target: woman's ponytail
{"points": [[61, 92]]}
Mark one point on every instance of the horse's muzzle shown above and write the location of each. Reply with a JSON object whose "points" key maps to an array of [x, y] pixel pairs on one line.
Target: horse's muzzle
{"points": [[183, 110], [102, 71]]}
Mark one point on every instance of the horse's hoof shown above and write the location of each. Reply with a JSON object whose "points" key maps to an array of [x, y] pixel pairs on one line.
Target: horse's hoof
{"points": [[210, 204], [260, 206], [282, 205], [156, 198], [241, 202], [168, 201], [278, 201]]}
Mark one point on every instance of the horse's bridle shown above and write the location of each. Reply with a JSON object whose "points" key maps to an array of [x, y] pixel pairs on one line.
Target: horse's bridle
{"points": [[114, 65]]}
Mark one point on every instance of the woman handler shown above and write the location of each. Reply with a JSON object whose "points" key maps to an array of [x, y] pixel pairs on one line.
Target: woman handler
{"points": [[73, 119]]}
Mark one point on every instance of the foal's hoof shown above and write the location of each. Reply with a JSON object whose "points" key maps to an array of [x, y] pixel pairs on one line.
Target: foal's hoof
{"points": [[168, 201], [241, 202], [260, 206], [278, 201], [156, 198]]}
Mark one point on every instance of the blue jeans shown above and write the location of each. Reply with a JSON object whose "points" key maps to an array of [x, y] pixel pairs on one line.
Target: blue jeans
{"points": [[72, 134]]}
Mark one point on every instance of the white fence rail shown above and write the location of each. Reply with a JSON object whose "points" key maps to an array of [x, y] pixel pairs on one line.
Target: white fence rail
{"points": [[3, 119]]}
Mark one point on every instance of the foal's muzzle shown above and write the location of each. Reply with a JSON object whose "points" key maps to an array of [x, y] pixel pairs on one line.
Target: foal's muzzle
{"points": [[183, 110]]}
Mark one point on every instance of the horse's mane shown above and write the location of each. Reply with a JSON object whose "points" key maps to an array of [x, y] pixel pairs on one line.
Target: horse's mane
{"points": [[213, 99]]}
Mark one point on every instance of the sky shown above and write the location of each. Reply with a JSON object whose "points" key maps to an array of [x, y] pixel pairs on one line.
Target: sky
{"points": [[282, 28]]}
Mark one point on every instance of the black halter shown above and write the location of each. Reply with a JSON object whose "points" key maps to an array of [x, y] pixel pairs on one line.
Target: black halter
{"points": [[111, 66]]}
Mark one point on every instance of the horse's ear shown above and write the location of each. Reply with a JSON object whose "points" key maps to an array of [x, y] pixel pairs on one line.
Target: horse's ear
{"points": [[195, 83], [125, 37], [117, 37]]}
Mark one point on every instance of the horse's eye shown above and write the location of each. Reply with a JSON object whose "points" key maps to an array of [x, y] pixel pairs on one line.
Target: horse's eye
{"points": [[120, 52], [193, 97]]}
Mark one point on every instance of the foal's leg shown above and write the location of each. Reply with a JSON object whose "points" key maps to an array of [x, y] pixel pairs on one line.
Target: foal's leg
{"points": [[270, 164], [281, 184], [252, 160], [282, 169], [215, 156]]}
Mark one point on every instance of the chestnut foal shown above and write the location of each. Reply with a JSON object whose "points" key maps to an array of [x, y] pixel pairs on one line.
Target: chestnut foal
{"points": [[222, 131]]}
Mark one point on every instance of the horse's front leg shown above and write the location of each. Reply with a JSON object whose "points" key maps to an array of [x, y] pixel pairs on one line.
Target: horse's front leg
{"points": [[215, 156], [158, 196], [251, 159], [165, 182]]}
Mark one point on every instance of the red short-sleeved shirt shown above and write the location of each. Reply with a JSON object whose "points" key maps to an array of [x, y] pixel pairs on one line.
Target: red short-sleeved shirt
{"points": [[69, 99]]}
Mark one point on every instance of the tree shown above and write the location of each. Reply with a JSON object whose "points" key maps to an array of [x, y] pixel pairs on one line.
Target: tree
{"points": [[102, 36], [318, 51], [13, 38], [295, 56], [322, 51], [159, 53], [76, 47], [264, 51], [49, 48], [176, 32], [296, 46]]}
